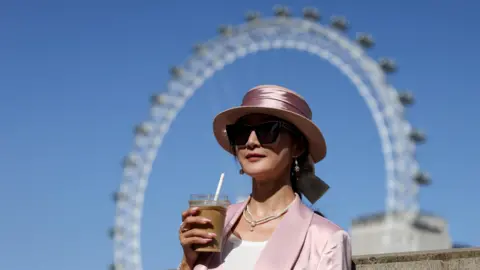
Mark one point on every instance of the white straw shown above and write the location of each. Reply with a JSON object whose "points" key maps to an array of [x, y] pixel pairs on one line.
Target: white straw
{"points": [[220, 182]]}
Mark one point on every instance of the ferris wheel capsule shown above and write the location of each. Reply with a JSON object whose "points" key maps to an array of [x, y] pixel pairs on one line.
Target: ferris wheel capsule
{"points": [[423, 178], [311, 14], [199, 49], [119, 196], [112, 232], [418, 136], [252, 16], [115, 266], [281, 11], [340, 23], [158, 99], [225, 30], [387, 65], [365, 40], [143, 129], [131, 160], [406, 98], [176, 72]]}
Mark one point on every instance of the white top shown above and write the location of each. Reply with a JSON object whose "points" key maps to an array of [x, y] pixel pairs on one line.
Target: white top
{"points": [[240, 254]]}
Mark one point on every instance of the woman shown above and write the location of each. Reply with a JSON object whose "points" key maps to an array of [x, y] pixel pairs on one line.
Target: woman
{"points": [[276, 143]]}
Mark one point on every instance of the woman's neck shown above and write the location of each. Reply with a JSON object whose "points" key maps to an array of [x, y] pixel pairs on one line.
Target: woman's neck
{"points": [[269, 198]]}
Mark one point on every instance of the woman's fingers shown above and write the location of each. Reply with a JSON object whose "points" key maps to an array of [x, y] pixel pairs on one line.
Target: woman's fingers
{"points": [[190, 220], [198, 233], [189, 212], [196, 236], [189, 235], [195, 240]]}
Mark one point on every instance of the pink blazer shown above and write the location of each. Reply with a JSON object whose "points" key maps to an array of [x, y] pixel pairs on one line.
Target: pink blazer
{"points": [[302, 240]]}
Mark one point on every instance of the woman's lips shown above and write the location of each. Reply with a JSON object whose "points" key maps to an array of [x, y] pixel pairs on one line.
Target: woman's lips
{"points": [[254, 157]]}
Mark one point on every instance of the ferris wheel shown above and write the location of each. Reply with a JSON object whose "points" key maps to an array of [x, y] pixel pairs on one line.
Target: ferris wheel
{"points": [[282, 31]]}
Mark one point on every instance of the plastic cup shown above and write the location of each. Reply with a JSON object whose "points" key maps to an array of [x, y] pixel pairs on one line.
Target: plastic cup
{"points": [[214, 210]]}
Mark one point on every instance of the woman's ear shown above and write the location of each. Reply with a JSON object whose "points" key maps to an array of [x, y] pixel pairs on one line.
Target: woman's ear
{"points": [[298, 148]]}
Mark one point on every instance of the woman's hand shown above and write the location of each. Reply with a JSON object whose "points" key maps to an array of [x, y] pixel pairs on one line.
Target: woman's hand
{"points": [[190, 236]]}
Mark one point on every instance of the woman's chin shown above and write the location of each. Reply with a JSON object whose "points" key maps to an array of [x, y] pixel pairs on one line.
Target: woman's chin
{"points": [[258, 175]]}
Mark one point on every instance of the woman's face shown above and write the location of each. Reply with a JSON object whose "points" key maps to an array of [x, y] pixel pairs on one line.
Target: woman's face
{"points": [[261, 155]]}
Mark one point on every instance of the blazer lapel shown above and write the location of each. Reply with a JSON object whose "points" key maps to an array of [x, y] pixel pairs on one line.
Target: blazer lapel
{"points": [[232, 219], [286, 242]]}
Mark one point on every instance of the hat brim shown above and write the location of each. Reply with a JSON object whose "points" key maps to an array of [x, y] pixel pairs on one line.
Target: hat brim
{"points": [[312, 133]]}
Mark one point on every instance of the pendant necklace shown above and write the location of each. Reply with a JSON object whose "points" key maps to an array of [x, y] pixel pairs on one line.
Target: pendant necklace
{"points": [[249, 217]]}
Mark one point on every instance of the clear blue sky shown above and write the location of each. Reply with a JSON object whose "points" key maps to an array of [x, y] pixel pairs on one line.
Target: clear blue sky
{"points": [[76, 77]]}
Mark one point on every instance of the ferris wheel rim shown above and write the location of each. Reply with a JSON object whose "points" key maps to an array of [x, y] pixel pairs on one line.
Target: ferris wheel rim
{"points": [[139, 207]]}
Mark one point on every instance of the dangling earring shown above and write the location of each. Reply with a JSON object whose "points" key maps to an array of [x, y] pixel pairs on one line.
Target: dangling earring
{"points": [[297, 168], [241, 171]]}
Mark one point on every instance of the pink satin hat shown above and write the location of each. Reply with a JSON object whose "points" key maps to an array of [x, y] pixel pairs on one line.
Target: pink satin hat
{"points": [[279, 102]]}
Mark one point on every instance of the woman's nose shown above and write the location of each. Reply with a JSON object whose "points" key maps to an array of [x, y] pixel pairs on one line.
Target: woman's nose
{"points": [[252, 141]]}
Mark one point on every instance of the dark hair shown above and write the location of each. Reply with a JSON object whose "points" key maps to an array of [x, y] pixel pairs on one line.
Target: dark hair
{"points": [[306, 170]]}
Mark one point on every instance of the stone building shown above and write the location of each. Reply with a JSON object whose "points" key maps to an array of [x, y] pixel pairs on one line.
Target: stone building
{"points": [[428, 232]]}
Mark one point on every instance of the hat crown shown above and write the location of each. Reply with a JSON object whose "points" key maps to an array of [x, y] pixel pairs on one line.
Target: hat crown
{"points": [[277, 97]]}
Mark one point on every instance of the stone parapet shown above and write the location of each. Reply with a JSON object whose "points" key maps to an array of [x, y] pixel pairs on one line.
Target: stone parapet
{"points": [[451, 259]]}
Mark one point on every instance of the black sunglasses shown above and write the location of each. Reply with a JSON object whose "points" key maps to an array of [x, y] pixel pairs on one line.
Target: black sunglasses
{"points": [[266, 132]]}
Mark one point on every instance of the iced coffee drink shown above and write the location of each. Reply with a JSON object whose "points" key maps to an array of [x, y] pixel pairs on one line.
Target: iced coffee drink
{"points": [[214, 210]]}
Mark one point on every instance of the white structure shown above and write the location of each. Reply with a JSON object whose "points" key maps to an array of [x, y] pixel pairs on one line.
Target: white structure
{"points": [[426, 232], [282, 31]]}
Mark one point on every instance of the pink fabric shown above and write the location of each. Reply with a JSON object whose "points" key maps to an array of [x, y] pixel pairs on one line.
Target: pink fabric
{"points": [[302, 240], [278, 98]]}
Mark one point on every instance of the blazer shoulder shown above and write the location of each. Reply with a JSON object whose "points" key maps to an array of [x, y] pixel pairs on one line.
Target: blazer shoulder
{"points": [[327, 236], [325, 225], [234, 207]]}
